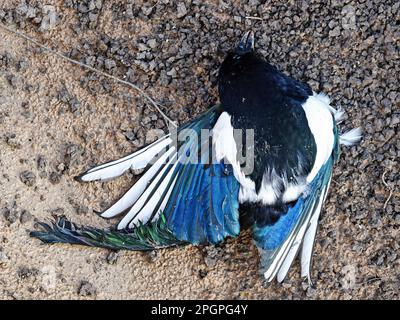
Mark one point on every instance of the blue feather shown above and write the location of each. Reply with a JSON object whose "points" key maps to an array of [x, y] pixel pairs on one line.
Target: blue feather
{"points": [[271, 236], [203, 206]]}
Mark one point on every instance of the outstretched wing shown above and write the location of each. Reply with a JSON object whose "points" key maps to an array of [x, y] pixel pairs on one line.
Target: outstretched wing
{"points": [[197, 197], [280, 242]]}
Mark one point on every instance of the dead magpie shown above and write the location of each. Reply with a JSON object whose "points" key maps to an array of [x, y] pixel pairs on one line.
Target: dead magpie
{"points": [[196, 189]]}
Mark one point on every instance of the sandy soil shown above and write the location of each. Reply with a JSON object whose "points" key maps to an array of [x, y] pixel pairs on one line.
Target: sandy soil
{"points": [[57, 120]]}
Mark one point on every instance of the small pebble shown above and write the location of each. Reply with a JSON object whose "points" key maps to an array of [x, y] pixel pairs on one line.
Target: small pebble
{"points": [[28, 178]]}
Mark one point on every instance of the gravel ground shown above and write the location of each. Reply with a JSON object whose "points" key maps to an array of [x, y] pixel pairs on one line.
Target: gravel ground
{"points": [[57, 120]]}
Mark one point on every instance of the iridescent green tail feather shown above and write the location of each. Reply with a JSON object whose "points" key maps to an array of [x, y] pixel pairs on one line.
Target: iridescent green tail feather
{"points": [[149, 236]]}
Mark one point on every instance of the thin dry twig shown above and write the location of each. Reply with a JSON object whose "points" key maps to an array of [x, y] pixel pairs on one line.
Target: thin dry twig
{"points": [[387, 279], [141, 91], [335, 182], [390, 190], [253, 18], [369, 281]]}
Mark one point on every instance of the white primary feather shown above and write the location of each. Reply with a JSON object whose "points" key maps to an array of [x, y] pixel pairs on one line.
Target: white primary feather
{"points": [[165, 201], [283, 270], [130, 197], [148, 209], [280, 256], [319, 116], [287, 252], [133, 212], [273, 269], [351, 137], [309, 239], [137, 160], [320, 121], [307, 247]]}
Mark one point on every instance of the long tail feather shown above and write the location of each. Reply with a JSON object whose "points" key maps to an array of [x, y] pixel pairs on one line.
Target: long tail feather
{"points": [[144, 237]]}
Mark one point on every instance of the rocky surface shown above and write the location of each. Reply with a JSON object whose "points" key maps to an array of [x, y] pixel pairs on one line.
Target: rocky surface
{"points": [[57, 120]]}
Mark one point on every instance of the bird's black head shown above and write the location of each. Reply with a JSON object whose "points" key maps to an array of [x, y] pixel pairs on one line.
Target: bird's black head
{"points": [[238, 57], [240, 71], [241, 63], [246, 44]]}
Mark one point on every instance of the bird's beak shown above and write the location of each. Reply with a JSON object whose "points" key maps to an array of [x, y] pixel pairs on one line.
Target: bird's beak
{"points": [[246, 44]]}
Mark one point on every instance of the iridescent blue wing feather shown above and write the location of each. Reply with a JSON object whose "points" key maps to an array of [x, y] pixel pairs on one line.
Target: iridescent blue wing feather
{"points": [[203, 207], [279, 243]]}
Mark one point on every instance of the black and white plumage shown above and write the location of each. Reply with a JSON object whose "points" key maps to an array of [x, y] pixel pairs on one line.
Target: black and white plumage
{"points": [[295, 139], [295, 146]]}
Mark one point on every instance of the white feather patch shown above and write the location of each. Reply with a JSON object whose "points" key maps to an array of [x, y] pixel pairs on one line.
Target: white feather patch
{"points": [[293, 191], [320, 122], [351, 138], [324, 99], [225, 148], [270, 189], [271, 185], [247, 194], [267, 195]]}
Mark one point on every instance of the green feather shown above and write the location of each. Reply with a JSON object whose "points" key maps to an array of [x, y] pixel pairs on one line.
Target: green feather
{"points": [[149, 236]]}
